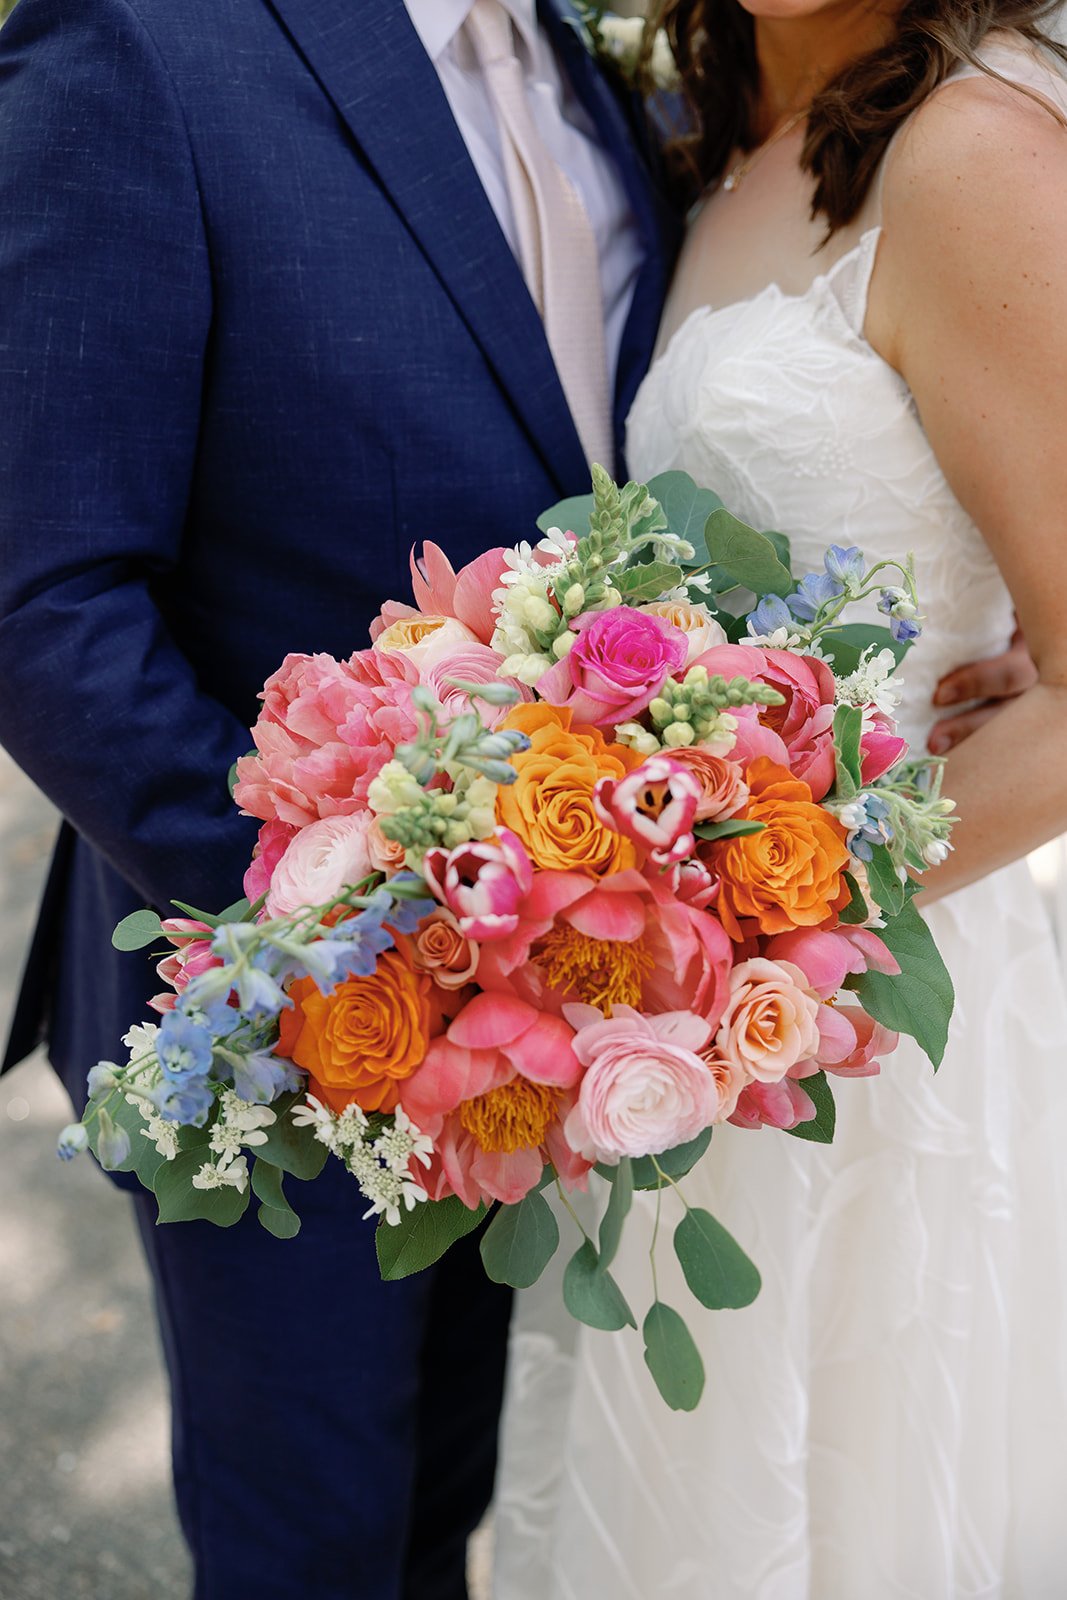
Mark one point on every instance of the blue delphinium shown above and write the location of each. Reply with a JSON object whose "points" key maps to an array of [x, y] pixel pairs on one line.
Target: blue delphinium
{"points": [[813, 592], [183, 1047], [771, 614], [263, 1076], [899, 607], [846, 566]]}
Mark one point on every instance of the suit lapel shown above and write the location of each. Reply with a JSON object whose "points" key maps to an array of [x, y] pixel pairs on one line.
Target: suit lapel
{"points": [[371, 63]]}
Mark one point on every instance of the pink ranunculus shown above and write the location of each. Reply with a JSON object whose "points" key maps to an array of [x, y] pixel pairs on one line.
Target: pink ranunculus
{"points": [[724, 791], [471, 663], [655, 805], [193, 956], [797, 734], [619, 662], [773, 1105], [770, 1023], [482, 884], [274, 839], [673, 957], [492, 1094], [326, 729], [881, 746], [645, 1088], [324, 858]]}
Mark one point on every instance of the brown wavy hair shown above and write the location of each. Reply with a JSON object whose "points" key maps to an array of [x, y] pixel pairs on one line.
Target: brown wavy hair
{"points": [[856, 114]]}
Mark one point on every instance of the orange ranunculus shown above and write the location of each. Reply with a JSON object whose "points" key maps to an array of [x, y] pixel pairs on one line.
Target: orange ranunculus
{"points": [[790, 875], [550, 804], [357, 1043]]}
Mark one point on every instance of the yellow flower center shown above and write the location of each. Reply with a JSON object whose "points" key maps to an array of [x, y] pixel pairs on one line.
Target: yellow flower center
{"points": [[514, 1117], [600, 972]]}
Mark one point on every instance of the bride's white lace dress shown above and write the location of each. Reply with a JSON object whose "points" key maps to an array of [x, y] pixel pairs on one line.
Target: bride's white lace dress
{"points": [[889, 1420]]}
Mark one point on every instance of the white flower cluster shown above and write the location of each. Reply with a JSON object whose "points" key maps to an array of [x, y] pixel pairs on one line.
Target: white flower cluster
{"points": [[525, 614], [143, 1069], [379, 1159], [872, 683], [239, 1123]]}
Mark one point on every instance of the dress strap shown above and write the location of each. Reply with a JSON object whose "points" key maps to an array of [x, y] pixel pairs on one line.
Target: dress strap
{"points": [[850, 278]]}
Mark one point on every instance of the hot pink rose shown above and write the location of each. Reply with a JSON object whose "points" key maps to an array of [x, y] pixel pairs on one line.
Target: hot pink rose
{"points": [[324, 858], [491, 1094], [771, 1019], [619, 662], [645, 1088], [482, 885], [326, 729], [797, 734], [655, 805]]}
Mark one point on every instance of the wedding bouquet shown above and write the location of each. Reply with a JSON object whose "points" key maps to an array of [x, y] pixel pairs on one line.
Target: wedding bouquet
{"points": [[604, 844]]}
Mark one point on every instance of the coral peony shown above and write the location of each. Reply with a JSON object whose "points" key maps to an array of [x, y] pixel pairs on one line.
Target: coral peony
{"points": [[797, 734], [550, 805], [619, 662]]}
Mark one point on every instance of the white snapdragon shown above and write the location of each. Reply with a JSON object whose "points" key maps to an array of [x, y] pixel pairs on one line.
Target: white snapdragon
{"points": [[393, 789]]}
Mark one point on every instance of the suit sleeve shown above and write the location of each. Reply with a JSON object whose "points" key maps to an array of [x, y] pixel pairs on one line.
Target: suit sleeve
{"points": [[105, 306]]}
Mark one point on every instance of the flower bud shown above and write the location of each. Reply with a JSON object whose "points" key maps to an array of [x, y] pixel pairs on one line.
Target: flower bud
{"points": [[72, 1142], [573, 600], [678, 735]]}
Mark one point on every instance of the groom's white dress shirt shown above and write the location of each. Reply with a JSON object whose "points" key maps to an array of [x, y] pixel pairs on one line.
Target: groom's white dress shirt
{"points": [[562, 123]]}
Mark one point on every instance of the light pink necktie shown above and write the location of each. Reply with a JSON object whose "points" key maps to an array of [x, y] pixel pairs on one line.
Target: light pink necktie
{"points": [[557, 247]]}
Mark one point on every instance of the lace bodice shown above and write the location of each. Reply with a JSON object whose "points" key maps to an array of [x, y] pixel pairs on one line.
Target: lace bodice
{"points": [[780, 405]]}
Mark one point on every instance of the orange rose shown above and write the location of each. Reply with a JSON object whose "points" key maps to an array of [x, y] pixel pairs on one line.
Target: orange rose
{"points": [[790, 874], [550, 804], [359, 1042]]}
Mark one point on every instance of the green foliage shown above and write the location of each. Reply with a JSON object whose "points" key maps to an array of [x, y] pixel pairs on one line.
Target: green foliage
{"points": [[886, 886], [918, 1001], [294, 1149], [751, 558], [275, 1212], [179, 1202], [135, 932], [591, 1294], [717, 1270], [820, 1130], [646, 581], [619, 1203], [673, 1358], [422, 1236], [674, 1163], [848, 738], [734, 828], [520, 1242], [686, 508], [144, 1159], [848, 642], [572, 515], [856, 911]]}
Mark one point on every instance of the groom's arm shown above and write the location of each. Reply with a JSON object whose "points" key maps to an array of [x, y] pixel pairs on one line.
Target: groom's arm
{"points": [[984, 687], [105, 302]]}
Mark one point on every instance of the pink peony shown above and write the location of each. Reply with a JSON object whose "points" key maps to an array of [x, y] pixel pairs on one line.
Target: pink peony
{"points": [[770, 1023], [797, 734], [491, 1094], [194, 956], [773, 1105], [274, 838], [655, 805], [619, 662], [324, 858], [645, 1088], [326, 729], [481, 884]]}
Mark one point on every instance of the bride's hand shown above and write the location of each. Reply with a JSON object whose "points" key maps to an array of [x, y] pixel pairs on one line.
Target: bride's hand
{"points": [[985, 687]]}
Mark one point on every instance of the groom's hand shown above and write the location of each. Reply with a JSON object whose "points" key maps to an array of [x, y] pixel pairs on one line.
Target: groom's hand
{"points": [[985, 686]]}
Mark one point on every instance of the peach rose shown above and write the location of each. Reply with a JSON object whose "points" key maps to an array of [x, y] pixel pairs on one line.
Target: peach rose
{"points": [[791, 873], [725, 789], [701, 630], [550, 805], [386, 855], [358, 1043], [442, 950], [771, 1021]]}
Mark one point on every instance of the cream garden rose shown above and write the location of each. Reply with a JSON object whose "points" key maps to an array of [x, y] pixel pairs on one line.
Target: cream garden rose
{"points": [[701, 630], [771, 1019]]}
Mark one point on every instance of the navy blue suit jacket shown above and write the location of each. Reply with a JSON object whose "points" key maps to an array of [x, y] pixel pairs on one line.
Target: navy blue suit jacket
{"points": [[260, 332]]}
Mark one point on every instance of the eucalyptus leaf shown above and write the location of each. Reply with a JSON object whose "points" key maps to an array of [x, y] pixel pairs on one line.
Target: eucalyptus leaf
{"points": [[139, 929], [820, 1129], [674, 1163], [734, 828], [275, 1212], [294, 1149], [686, 508], [619, 1202], [782, 546], [646, 581], [749, 557], [179, 1202], [716, 1268], [918, 1001], [571, 515], [673, 1359], [591, 1294], [422, 1236], [520, 1242]]}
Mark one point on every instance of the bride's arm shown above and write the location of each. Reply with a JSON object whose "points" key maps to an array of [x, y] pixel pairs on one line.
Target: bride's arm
{"points": [[969, 302]]}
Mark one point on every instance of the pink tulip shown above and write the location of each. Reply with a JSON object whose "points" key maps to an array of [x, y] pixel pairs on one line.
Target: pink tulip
{"points": [[482, 884], [466, 595], [655, 805], [194, 956], [881, 747], [773, 1105]]}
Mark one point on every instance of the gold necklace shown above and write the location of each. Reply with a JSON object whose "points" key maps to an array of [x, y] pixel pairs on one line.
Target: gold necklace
{"points": [[736, 175]]}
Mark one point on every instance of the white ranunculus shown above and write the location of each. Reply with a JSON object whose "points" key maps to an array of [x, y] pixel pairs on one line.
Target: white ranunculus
{"points": [[324, 858]]}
